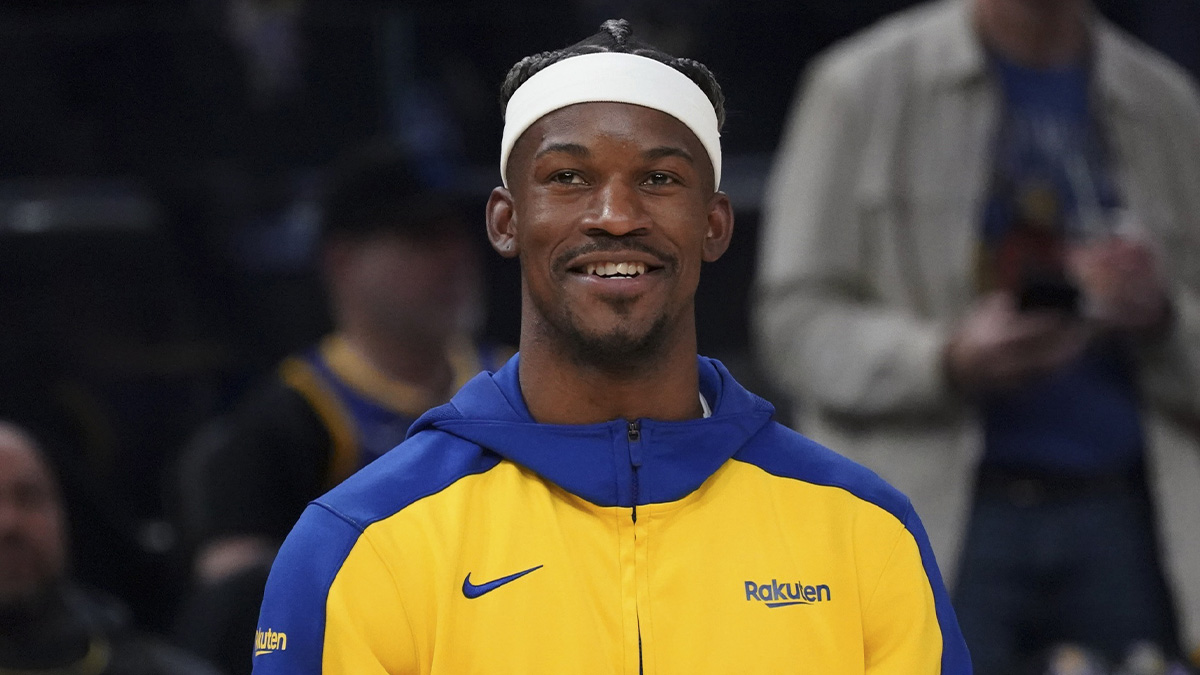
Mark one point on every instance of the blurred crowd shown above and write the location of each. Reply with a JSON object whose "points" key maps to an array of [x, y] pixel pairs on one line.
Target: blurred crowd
{"points": [[241, 250]]}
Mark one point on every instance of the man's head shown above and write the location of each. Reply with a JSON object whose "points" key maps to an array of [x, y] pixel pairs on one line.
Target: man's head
{"points": [[33, 548], [611, 160], [396, 253]]}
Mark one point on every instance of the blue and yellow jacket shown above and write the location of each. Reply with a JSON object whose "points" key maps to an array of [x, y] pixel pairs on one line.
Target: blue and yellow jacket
{"points": [[488, 543]]}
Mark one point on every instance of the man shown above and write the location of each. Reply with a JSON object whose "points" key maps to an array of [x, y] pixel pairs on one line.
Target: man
{"points": [[47, 624], [608, 501], [979, 276], [402, 284]]}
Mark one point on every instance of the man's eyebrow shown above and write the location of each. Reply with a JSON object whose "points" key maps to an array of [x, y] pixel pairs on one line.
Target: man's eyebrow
{"points": [[569, 148], [669, 151]]}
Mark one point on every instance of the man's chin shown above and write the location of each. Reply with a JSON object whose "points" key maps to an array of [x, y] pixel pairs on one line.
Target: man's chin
{"points": [[617, 351], [612, 337]]}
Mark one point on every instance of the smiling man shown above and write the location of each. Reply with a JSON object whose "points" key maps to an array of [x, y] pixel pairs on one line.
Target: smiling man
{"points": [[608, 501]]}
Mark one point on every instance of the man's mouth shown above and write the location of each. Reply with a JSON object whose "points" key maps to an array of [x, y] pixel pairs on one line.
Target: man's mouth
{"points": [[615, 270]]}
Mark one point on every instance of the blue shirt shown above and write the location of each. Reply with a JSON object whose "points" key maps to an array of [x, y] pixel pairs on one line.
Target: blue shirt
{"points": [[1050, 184]]}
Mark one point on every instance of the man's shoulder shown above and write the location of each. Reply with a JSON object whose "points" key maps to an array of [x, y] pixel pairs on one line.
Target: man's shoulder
{"points": [[1154, 77], [421, 466], [859, 55], [333, 525], [270, 395], [790, 455]]}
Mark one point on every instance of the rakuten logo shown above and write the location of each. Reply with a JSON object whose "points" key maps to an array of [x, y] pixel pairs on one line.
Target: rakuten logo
{"points": [[775, 594]]}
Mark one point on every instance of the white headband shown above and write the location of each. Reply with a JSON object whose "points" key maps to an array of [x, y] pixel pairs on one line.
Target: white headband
{"points": [[616, 77]]}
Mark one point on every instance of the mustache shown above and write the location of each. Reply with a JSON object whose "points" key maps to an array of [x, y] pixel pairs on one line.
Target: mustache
{"points": [[606, 243]]}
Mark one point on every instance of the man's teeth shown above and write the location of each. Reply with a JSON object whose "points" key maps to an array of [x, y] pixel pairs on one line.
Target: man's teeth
{"points": [[624, 269]]}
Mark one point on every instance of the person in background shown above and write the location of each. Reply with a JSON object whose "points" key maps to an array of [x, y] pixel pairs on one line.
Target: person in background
{"points": [[48, 624], [979, 274], [404, 291]]}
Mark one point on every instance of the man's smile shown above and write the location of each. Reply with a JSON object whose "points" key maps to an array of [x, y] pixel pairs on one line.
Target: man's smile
{"points": [[625, 273], [609, 270]]}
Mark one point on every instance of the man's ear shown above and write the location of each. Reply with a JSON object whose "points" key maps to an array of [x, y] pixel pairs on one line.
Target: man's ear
{"points": [[720, 227], [502, 223]]}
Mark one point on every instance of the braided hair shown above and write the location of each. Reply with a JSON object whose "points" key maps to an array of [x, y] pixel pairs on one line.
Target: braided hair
{"points": [[615, 35]]}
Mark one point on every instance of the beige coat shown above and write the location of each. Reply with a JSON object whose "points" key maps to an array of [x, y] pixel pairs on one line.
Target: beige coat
{"points": [[867, 249]]}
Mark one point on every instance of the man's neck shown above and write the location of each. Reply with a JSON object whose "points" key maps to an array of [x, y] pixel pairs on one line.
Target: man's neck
{"points": [[422, 364], [1035, 33], [558, 390]]}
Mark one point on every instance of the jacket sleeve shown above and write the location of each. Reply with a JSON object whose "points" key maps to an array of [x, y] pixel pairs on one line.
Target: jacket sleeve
{"points": [[331, 605], [1170, 367], [1170, 372], [823, 335], [909, 625]]}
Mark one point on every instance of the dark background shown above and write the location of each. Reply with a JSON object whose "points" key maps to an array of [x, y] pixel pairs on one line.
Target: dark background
{"points": [[158, 165]]}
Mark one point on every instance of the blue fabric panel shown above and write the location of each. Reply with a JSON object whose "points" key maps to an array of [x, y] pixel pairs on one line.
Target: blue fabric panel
{"points": [[427, 465], [297, 588], [597, 461], [782, 452], [955, 657]]}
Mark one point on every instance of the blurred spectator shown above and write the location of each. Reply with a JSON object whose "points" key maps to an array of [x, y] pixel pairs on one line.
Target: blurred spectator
{"points": [[404, 291], [979, 275], [47, 623]]}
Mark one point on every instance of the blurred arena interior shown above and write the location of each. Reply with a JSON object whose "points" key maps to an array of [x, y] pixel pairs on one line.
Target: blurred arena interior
{"points": [[159, 163]]}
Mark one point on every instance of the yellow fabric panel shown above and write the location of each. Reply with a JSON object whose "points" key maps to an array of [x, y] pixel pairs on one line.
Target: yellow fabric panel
{"points": [[631, 537], [703, 550], [678, 577], [562, 618], [898, 647], [298, 375], [366, 630]]}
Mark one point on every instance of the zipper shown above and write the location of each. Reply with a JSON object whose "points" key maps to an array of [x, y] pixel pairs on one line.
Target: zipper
{"points": [[633, 433]]}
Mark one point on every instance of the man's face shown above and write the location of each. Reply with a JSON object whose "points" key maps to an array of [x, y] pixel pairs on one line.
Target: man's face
{"points": [[612, 211], [32, 537], [415, 288]]}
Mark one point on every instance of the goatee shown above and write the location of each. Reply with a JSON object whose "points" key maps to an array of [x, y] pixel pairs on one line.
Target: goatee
{"points": [[616, 351]]}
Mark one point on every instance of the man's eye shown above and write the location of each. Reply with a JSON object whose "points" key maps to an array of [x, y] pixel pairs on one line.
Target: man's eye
{"points": [[570, 177], [660, 178]]}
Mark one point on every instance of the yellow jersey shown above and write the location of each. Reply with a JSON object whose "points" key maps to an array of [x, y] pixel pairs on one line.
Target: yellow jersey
{"points": [[489, 543]]}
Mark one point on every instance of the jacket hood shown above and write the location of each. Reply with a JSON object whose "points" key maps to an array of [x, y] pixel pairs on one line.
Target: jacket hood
{"points": [[603, 463]]}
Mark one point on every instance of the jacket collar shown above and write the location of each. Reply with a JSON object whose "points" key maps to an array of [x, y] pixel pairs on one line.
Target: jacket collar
{"points": [[598, 462], [955, 55]]}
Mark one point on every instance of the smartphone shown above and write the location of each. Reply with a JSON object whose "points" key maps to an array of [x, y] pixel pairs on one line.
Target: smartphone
{"points": [[1048, 293]]}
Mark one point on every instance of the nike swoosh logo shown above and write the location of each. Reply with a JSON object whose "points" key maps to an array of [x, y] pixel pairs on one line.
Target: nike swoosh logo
{"points": [[473, 591]]}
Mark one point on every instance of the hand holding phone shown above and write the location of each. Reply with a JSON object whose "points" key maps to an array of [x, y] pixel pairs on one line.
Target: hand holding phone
{"points": [[1121, 283]]}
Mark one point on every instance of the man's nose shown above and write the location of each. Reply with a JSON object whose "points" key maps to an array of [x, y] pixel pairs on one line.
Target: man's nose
{"points": [[617, 210]]}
